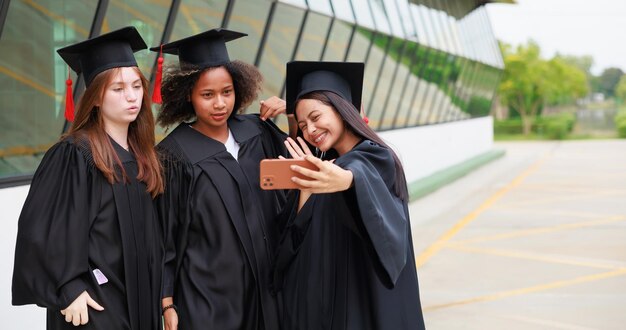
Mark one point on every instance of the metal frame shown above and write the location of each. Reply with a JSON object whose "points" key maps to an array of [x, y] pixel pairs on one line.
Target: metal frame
{"points": [[227, 13], [17, 180], [266, 31], [402, 54], [4, 9], [380, 71]]}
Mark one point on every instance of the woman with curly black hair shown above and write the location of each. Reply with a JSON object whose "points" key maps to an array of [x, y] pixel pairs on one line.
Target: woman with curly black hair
{"points": [[219, 227]]}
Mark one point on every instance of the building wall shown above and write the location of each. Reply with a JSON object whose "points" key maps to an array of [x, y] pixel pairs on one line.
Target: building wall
{"points": [[427, 62]]}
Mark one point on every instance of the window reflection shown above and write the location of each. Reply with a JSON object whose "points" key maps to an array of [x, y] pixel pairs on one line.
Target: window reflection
{"points": [[32, 77]]}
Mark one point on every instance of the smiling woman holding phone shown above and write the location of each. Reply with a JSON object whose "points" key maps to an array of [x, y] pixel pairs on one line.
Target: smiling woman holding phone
{"points": [[345, 259]]}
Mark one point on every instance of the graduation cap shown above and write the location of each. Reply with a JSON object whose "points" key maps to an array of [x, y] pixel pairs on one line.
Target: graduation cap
{"points": [[90, 57], [342, 78], [203, 50]]}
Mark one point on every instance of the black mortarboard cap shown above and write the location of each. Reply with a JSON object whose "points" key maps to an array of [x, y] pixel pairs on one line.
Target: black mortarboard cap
{"points": [[206, 49], [111, 50], [342, 78]]}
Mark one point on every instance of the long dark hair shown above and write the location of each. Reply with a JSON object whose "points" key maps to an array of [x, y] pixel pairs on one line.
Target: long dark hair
{"points": [[178, 82], [357, 125], [90, 125]]}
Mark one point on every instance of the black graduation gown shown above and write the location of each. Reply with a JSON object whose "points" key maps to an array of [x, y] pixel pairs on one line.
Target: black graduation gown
{"points": [[346, 260], [74, 222], [218, 237]]}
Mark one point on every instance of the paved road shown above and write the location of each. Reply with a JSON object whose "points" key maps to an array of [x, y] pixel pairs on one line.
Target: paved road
{"points": [[534, 240]]}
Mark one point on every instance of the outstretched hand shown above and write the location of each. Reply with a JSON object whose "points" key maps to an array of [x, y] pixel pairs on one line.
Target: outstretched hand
{"points": [[77, 312], [272, 107], [297, 151], [330, 177]]}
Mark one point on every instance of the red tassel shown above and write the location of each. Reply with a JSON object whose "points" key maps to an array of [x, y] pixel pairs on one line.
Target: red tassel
{"points": [[366, 120], [69, 99], [156, 93]]}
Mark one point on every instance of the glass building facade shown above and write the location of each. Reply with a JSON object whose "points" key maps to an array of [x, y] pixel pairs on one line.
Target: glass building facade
{"points": [[426, 61]]}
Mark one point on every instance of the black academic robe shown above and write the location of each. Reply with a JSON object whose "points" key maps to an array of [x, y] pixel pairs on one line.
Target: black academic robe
{"points": [[346, 260], [74, 222], [218, 237]]}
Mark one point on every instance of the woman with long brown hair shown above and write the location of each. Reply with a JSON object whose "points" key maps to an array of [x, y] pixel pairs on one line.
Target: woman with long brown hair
{"points": [[345, 259], [88, 246]]}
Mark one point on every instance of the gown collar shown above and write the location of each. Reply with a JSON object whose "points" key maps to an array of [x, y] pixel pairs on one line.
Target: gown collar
{"points": [[197, 146]]}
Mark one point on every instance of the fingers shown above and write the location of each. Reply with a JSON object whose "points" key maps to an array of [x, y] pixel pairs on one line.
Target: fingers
{"points": [[93, 304], [272, 107], [294, 149], [84, 317], [307, 172], [304, 146], [316, 161], [281, 157]]}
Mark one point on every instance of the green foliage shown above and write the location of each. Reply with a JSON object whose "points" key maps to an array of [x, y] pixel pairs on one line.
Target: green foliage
{"points": [[554, 127], [479, 106], [620, 89], [608, 80], [530, 82], [620, 124]]}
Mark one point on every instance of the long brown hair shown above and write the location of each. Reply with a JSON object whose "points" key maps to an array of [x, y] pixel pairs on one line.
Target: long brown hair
{"points": [[89, 124], [355, 123]]}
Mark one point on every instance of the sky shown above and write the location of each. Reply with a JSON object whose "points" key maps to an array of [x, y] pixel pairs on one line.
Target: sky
{"points": [[569, 27]]}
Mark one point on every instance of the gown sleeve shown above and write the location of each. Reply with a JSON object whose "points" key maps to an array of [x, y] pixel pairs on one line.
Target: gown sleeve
{"points": [[172, 208], [273, 139], [382, 213], [51, 254]]}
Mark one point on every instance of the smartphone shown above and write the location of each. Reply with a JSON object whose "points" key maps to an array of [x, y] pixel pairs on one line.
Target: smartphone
{"points": [[277, 173]]}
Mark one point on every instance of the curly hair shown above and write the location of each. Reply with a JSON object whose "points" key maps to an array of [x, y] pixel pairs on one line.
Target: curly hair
{"points": [[178, 82]]}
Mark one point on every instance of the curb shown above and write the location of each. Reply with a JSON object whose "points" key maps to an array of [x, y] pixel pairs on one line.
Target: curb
{"points": [[422, 187]]}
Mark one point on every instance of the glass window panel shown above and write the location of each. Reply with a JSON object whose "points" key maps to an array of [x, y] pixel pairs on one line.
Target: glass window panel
{"points": [[382, 24], [395, 90], [338, 42], [372, 66], [385, 79], [343, 10], [417, 94], [279, 47], [360, 44], [407, 20], [148, 18], [298, 3], [248, 16], [422, 19], [32, 77], [391, 10], [363, 14], [321, 6], [312, 42], [404, 102], [196, 16]]}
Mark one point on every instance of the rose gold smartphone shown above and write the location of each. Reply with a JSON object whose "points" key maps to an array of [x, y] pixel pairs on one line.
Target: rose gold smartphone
{"points": [[277, 173]]}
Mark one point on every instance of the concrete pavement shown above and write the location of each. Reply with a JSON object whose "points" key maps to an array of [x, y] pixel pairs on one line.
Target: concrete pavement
{"points": [[534, 240]]}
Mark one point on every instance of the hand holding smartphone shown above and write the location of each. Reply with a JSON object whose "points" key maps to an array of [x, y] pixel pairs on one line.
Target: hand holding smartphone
{"points": [[277, 173]]}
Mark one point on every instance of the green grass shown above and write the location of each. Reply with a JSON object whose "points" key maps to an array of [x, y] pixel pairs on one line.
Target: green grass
{"points": [[537, 137]]}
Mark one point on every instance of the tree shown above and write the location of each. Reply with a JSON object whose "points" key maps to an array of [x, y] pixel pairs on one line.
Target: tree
{"points": [[521, 87], [620, 89], [608, 80], [529, 82]]}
